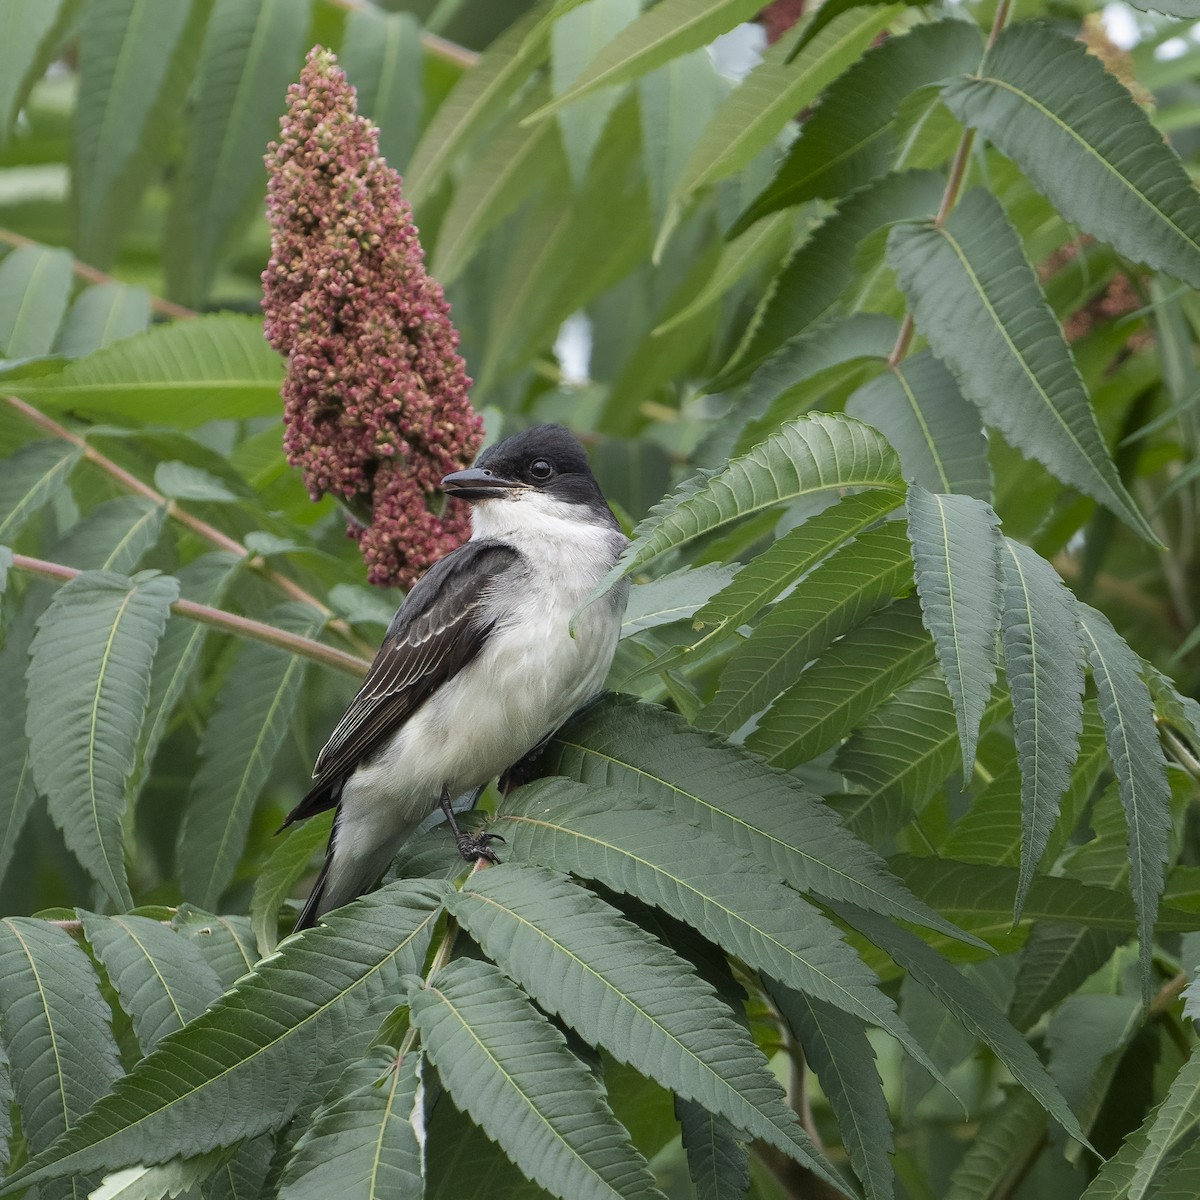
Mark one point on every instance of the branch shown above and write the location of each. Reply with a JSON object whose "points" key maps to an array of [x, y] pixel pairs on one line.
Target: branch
{"points": [[229, 622]]}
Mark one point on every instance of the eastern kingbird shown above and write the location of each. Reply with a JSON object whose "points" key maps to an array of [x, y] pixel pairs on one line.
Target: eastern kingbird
{"points": [[479, 664]]}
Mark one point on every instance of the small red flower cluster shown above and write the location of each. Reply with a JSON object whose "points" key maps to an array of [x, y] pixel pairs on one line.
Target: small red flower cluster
{"points": [[376, 405]]}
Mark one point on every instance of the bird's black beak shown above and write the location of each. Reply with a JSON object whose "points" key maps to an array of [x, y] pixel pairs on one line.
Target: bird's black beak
{"points": [[479, 483]]}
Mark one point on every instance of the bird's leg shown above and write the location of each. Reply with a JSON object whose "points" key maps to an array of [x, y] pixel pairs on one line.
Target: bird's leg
{"points": [[470, 846]]}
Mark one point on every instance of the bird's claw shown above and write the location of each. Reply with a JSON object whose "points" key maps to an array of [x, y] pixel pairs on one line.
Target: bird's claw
{"points": [[475, 846]]}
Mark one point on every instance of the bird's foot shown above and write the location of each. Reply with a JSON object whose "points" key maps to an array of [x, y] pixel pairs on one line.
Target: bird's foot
{"points": [[474, 846]]}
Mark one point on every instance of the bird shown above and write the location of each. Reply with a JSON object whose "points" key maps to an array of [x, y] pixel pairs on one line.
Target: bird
{"points": [[486, 657]]}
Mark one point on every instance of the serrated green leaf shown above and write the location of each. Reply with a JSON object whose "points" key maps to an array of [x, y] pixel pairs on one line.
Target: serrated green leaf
{"points": [[252, 49], [155, 1183], [237, 748], [718, 1160], [1177, 1118], [846, 682], [365, 1141], [673, 597], [1043, 662], [241, 1068], [808, 287], [917, 406], [35, 284], [1055, 960], [102, 314], [846, 143], [17, 793], [999, 1149], [243, 1176], [604, 834], [669, 29], [227, 943], [1140, 767], [161, 977], [506, 1066], [647, 750], [956, 559], [30, 478], [278, 876], [836, 1047], [56, 1028], [182, 481], [623, 990], [208, 369], [978, 301], [831, 600], [974, 1010], [1082, 139], [83, 727], [114, 536], [32, 32]]}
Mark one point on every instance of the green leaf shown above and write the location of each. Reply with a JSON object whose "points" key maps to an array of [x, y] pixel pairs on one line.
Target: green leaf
{"points": [[837, 1049], [718, 1160], [208, 369], [1140, 767], [32, 32], [977, 300], [1043, 662], [161, 977], [673, 597], [1055, 960], [35, 284], [237, 748], [83, 730], [917, 406], [811, 282], [181, 481], [647, 750], [818, 453], [154, 1183], [1177, 1118], [242, 1067], [17, 793], [510, 1070], [56, 1028], [135, 63], [102, 314], [974, 1010], [383, 58], [843, 685], [1084, 142], [276, 878], [1000, 1149], [669, 29], [847, 143], [831, 600], [30, 478], [227, 943], [252, 49], [755, 113], [604, 834], [622, 989], [956, 559], [114, 536], [362, 1143]]}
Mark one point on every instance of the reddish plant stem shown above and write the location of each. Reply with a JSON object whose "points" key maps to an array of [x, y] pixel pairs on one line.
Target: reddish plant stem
{"points": [[218, 618]]}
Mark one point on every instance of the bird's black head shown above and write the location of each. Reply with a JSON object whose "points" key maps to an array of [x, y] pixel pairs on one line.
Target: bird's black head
{"points": [[546, 459]]}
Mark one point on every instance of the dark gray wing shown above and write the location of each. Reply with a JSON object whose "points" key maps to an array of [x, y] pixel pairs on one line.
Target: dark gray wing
{"points": [[439, 628]]}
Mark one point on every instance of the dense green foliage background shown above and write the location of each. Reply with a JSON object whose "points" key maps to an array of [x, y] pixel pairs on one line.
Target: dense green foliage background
{"points": [[884, 342]]}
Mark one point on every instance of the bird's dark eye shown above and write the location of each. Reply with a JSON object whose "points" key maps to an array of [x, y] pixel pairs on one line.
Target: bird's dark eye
{"points": [[540, 469]]}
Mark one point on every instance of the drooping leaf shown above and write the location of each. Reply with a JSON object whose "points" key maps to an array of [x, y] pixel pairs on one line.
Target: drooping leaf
{"points": [[718, 1160], [916, 404], [836, 1048], [1140, 766], [956, 558], [846, 143], [364, 1142], [252, 49], [83, 738], [622, 989], [603, 834], [237, 748], [647, 750], [35, 284], [241, 1068], [208, 369], [56, 1028], [161, 977], [32, 32], [102, 314], [846, 682], [505, 1065], [832, 599], [1043, 662], [1082, 139], [977, 300], [277, 877], [30, 478]]}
